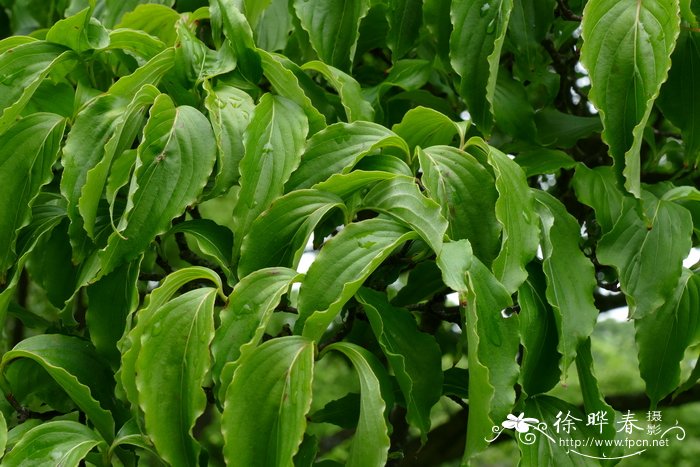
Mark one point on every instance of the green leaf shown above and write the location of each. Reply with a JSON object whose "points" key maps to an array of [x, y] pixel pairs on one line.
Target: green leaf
{"points": [[401, 198], [467, 196], [280, 71], [546, 450], [529, 23], [414, 356], [593, 400], [226, 16], [245, 318], [278, 236], [492, 339], [155, 19], [174, 161], [475, 50], [539, 335], [558, 129], [333, 27], [130, 344], [515, 212], [150, 73], [273, 28], [114, 10], [635, 244], [122, 133], [349, 90], [663, 337], [425, 127], [544, 161], [266, 403], [570, 277], [370, 445], [680, 97], [344, 185], [3, 434], [338, 148], [170, 372], [23, 68], [195, 60], [140, 43], [341, 267], [273, 143], [63, 443], [343, 412], [598, 189], [214, 242], [80, 32], [74, 365], [424, 281], [27, 152], [627, 49], [111, 299], [229, 110], [404, 17]]}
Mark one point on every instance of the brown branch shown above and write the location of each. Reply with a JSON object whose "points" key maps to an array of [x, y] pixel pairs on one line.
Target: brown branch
{"points": [[567, 13]]}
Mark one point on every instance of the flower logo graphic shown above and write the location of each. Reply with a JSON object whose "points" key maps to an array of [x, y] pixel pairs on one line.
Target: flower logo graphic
{"points": [[520, 423]]}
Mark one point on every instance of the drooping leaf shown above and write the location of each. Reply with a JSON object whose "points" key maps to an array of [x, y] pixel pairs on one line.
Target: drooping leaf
{"points": [[23, 68], [349, 90], [267, 401], [121, 134], [245, 318], [544, 161], [414, 356], [492, 339], [80, 32], [401, 198], [75, 366], [663, 337], [515, 212], [627, 49], [598, 189], [278, 236], [114, 10], [338, 148], [370, 444], [467, 196], [341, 267], [559, 129], [635, 244], [111, 299], [227, 17], [529, 23], [538, 334], [153, 18], [64, 443], [139, 43], [404, 17], [27, 152], [130, 344], [170, 372], [479, 29], [425, 127], [214, 241], [229, 110], [333, 27], [273, 141], [424, 281], [280, 71], [174, 161], [680, 97], [272, 30], [570, 277]]}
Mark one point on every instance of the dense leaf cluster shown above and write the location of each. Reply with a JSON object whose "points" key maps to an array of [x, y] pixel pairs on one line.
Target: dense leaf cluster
{"points": [[164, 167]]}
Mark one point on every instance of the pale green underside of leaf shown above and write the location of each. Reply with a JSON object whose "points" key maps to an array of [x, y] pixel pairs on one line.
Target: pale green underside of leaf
{"points": [[266, 403], [627, 47]]}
